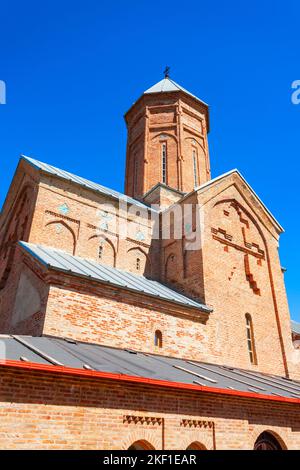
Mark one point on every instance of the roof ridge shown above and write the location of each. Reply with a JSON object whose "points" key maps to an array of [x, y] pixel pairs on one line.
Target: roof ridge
{"points": [[160, 87], [224, 175], [60, 173]]}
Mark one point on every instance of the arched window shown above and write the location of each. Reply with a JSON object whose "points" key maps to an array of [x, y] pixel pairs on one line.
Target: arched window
{"points": [[141, 445], [250, 339], [195, 169], [266, 441], [158, 339], [171, 268], [196, 446], [164, 162]]}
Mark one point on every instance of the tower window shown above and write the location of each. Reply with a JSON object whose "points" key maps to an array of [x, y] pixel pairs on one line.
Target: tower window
{"points": [[195, 168], [158, 339], [250, 339], [138, 264], [135, 176], [164, 162], [100, 253]]}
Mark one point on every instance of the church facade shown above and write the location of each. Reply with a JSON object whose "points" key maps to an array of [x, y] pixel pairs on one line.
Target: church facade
{"points": [[154, 319]]}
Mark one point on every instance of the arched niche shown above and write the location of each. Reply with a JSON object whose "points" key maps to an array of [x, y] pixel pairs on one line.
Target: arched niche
{"points": [[171, 268], [138, 262], [103, 250], [60, 235]]}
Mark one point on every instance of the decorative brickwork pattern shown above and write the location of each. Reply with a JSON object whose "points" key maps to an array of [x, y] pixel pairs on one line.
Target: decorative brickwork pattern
{"points": [[195, 423], [143, 420]]}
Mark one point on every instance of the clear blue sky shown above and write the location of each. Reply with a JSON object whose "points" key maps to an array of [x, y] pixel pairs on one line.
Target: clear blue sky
{"points": [[73, 68]]}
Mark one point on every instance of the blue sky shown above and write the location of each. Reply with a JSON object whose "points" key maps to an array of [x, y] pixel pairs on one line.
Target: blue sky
{"points": [[73, 68]]}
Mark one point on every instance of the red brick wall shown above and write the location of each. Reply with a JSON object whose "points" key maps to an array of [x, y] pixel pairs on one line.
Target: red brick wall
{"points": [[211, 274], [242, 275], [82, 230], [24, 299], [46, 411], [237, 271], [124, 320], [107, 316], [181, 123], [89, 312], [15, 224]]}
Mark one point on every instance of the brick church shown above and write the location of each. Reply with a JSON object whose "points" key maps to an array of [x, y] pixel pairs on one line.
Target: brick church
{"points": [[117, 332]]}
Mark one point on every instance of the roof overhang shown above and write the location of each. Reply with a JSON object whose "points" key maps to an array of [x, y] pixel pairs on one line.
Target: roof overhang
{"points": [[98, 375], [84, 183], [75, 266], [176, 89]]}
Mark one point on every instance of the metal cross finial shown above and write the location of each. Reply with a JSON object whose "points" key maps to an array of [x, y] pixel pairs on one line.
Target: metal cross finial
{"points": [[167, 72]]}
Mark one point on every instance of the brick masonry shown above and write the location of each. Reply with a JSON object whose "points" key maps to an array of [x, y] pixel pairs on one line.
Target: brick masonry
{"points": [[47, 411], [236, 270], [180, 123]]}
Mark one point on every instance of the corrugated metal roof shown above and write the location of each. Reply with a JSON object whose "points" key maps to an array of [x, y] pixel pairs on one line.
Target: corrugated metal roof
{"points": [[295, 327], [167, 85], [81, 355], [51, 170], [59, 260]]}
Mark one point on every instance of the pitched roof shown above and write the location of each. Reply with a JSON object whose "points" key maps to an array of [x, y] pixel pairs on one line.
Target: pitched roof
{"points": [[74, 265], [68, 353], [295, 327], [51, 170], [167, 85], [117, 195], [211, 182]]}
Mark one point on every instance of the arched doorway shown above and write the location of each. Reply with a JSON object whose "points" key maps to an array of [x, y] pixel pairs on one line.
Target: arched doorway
{"points": [[266, 441], [141, 445], [196, 446]]}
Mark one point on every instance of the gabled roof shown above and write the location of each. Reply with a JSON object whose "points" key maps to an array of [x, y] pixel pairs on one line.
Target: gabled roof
{"points": [[167, 85], [74, 265], [70, 356], [211, 182], [295, 327], [51, 170], [163, 186]]}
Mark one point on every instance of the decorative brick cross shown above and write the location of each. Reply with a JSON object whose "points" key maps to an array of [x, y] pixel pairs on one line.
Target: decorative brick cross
{"points": [[248, 248]]}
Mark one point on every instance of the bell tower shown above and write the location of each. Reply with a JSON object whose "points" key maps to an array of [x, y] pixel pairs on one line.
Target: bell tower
{"points": [[167, 140]]}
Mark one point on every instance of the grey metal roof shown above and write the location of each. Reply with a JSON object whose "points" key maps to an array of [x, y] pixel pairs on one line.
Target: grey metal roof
{"points": [[295, 327], [51, 170], [59, 260], [167, 85], [70, 353]]}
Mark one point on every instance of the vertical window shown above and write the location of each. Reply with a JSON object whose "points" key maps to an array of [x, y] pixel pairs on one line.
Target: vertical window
{"points": [[158, 339], [250, 339], [100, 251], [195, 168], [138, 264], [164, 162], [135, 176]]}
